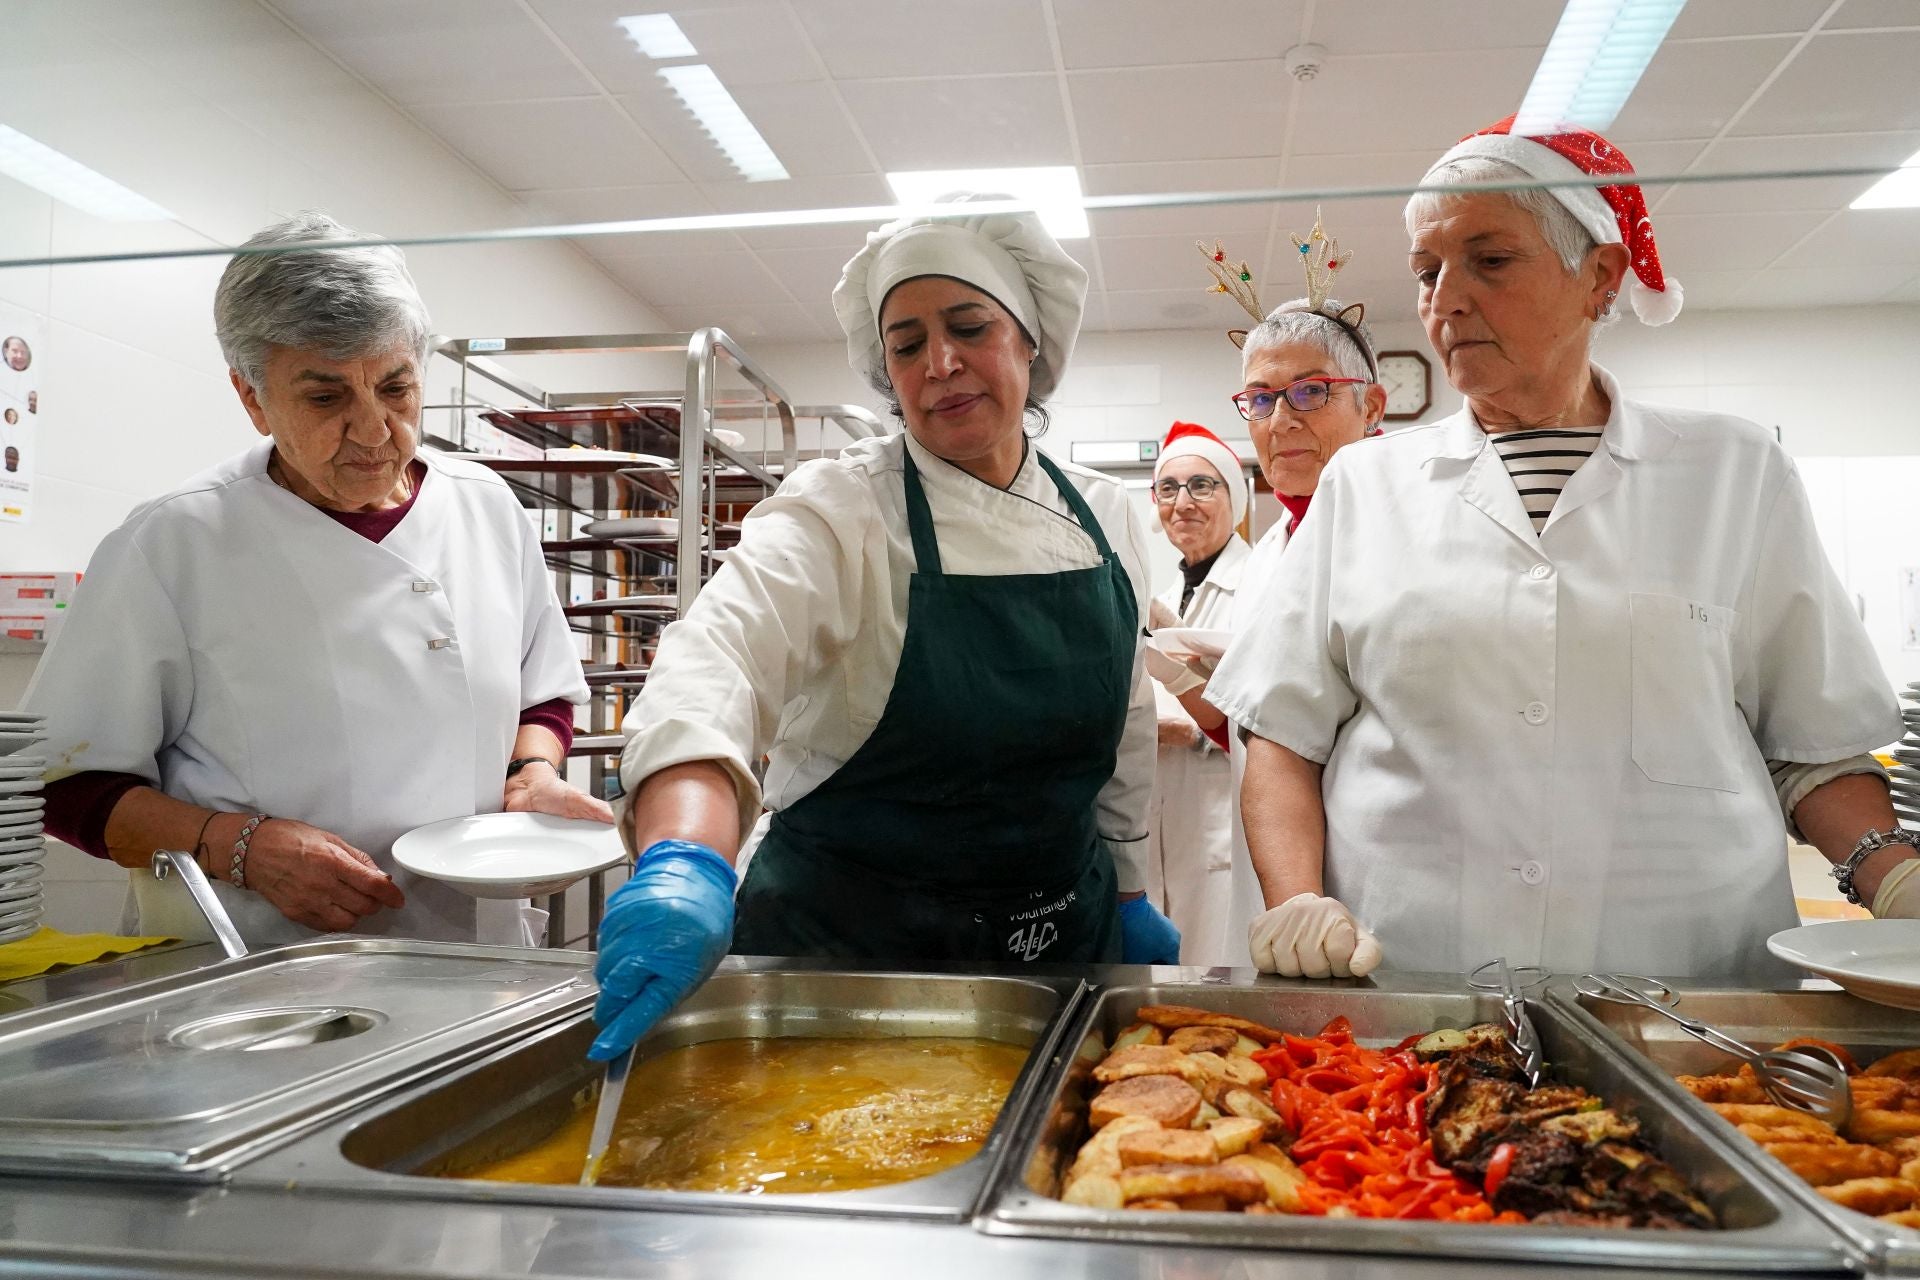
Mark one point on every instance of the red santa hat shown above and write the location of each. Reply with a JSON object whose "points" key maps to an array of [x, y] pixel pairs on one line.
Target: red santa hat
{"points": [[1614, 214], [1190, 440]]}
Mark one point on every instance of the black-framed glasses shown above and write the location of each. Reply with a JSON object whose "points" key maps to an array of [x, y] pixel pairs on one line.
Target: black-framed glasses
{"points": [[1202, 489], [1305, 395]]}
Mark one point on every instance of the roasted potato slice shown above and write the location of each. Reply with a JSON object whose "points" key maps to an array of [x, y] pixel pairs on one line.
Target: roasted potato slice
{"points": [[1167, 1146], [1218, 1040], [1251, 1106], [1101, 1152], [1095, 1191], [1873, 1196], [1166, 1100], [1160, 1204], [1203, 1204], [1175, 1181], [1207, 1114], [1137, 1034], [1173, 1016], [1245, 1048], [1280, 1177], [1232, 1135], [1148, 1060]]}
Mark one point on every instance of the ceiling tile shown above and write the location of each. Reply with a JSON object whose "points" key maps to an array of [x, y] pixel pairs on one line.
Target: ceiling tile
{"points": [[1876, 13], [1133, 33], [1180, 176], [750, 42], [1435, 26], [863, 38], [615, 204], [1746, 18], [1713, 290], [1728, 241], [961, 123], [1180, 113], [1144, 263], [1882, 238], [1750, 155], [808, 274], [569, 142], [845, 192], [1172, 309], [779, 322], [440, 50], [806, 128], [1411, 102], [691, 279], [1842, 84], [1693, 90], [1802, 287]]}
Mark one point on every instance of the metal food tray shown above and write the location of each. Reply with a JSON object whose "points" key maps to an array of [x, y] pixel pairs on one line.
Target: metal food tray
{"points": [[186, 1077], [519, 1095], [1764, 1229], [1762, 1018]]}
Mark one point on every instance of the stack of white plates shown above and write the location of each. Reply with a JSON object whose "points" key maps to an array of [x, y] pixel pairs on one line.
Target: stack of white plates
{"points": [[1906, 768], [21, 808]]}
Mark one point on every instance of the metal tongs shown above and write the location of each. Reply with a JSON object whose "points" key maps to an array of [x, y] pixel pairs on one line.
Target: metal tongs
{"points": [[1805, 1078], [1522, 1039], [612, 1089]]}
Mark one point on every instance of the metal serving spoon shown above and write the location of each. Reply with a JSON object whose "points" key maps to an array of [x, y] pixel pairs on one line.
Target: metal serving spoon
{"points": [[1522, 1038], [1804, 1078], [612, 1089]]}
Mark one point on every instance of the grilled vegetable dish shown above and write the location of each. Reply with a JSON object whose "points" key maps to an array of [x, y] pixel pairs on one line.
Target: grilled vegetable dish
{"points": [[1203, 1111]]}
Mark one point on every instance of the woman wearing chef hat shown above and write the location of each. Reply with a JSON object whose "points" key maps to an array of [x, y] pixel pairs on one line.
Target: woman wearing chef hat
{"points": [[1552, 678], [935, 641]]}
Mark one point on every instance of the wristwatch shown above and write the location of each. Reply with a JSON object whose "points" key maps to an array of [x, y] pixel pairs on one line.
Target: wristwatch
{"points": [[515, 766], [1870, 843]]}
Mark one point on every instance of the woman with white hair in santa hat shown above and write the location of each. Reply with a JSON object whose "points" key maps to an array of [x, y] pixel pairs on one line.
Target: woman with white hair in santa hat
{"points": [[1553, 678], [934, 639]]}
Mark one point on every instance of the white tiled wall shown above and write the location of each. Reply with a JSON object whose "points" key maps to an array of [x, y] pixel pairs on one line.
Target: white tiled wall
{"points": [[218, 112]]}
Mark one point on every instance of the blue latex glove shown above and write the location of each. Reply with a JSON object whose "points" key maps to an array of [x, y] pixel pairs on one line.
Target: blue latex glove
{"points": [[1146, 936], [663, 932]]}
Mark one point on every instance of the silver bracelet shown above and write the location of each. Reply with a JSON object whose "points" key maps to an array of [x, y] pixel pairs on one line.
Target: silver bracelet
{"points": [[237, 869], [1870, 844]]}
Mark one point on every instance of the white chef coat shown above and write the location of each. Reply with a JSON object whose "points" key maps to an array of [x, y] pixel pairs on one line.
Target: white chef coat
{"points": [[1554, 747], [1244, 898], [243, 651], [790, 652], [1190, 830]]}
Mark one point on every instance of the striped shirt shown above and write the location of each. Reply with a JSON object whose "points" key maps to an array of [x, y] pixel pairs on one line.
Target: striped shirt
{"points": [[1541, 462]]}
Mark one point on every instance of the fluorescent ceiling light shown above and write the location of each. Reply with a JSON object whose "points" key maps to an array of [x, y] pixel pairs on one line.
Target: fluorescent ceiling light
{"points": [[1898, 190], [1052, 192], [724, 121], [1593, 62], [70, 182], [658, 35]]}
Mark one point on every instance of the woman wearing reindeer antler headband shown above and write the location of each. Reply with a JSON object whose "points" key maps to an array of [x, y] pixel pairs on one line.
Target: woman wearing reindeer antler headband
{"points": [[1520, 680]]}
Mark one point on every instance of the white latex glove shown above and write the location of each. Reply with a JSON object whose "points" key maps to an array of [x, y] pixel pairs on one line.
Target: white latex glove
{"points": [[1899, 895], [1159, 615], [1176, 675], [1309, 936]]}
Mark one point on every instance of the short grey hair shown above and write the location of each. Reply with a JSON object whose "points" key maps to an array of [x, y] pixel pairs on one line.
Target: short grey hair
{"points": [[343, 303], [1298, 321]]}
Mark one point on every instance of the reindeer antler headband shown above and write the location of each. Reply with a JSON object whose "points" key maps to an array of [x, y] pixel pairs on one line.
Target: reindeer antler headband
{"points": [[1320, 258]]}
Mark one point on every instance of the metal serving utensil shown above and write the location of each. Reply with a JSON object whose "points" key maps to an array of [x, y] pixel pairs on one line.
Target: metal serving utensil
{"points": [[1805, 1078], [1522, 1038], [168, 862], [612, 1089]]}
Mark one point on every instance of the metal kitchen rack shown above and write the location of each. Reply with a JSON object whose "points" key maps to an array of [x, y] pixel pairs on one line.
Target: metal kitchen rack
{"points": [[577, 457]]}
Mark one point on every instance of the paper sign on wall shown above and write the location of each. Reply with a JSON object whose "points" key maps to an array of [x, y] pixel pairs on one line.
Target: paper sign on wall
{"points": [[20, 365]]}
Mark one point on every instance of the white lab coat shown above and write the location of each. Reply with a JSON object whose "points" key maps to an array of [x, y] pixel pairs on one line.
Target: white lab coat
{"points": [[241, 650], [1554, 747], [1190, 833], [1244, 898], [790, 652]]}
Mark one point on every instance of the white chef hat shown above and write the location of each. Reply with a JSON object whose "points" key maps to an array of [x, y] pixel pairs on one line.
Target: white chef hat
{"points": [[1010, 257]]}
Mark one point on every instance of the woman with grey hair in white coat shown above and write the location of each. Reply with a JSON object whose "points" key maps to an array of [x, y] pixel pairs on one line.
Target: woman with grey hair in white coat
{"points": [[317, 645]]}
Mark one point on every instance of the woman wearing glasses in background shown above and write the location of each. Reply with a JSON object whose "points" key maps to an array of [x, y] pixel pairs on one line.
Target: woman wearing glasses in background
{"points": [[1308, 392]]}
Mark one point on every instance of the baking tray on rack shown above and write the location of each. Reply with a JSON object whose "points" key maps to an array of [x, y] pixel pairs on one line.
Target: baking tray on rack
{"points": [[517, 1097], [1764, 1229], [189, 1076], [1661, 1050]]}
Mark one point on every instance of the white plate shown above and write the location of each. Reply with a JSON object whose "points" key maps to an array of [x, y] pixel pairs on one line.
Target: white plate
{"points": [[510, 855], [20, 786], [26, 930], [632, 527], [22, 718], [11, 918], [20, 826], [30, 850], [10, 876], [22, 803], [1181, 643], [20, 900], [11, 742], [1877, 960], [22, 766]]}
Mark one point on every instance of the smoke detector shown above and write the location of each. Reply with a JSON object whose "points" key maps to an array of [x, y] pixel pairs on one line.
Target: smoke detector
{"points": [[1303, 60]]}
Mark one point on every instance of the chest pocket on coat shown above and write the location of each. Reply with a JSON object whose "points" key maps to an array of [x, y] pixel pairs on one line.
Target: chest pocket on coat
{"points": [[1683, 707]]}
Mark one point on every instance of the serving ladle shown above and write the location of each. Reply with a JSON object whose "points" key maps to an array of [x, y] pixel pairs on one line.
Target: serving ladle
{"points": [[1805, 1078]]}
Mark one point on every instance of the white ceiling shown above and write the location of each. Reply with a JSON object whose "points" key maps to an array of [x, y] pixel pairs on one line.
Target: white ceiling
{"points": [[550, 100]]}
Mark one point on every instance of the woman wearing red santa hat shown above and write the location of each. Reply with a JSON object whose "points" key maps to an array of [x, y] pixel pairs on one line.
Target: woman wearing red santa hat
{"points": [[1554, 677]]}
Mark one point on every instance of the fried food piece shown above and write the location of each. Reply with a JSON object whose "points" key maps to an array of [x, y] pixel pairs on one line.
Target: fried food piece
{"points": [[1168, 1146], [1263, 1208], [1174, 1016], [1277, 1173], [1904, 1065], [1101, 1152], [1765, 1113], [1872, 1196], [1245, 1048], [1166, 1100], [1870, 1124], [1724, 1088], [1160, 1203], [1904, 1218], [1764, 1135], [1139, 1033], [1148, 1060], [1095, 1191], [1246, 1073], [1251, 1106], [1909, 1168], [1203, 1204], [1814, 1042], [1885, 1093], [1175, 1181], [1218, 1040], [1825, 1164], [1232, 1135], [1589, 1128], [1207, 1114], [1903, 1148]]}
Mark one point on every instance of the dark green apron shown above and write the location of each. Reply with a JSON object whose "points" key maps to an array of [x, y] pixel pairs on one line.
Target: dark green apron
{"points": [[963, 829]]}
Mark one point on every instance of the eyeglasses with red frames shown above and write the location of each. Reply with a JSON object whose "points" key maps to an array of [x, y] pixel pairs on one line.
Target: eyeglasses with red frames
{"points": [[1305, 396]]}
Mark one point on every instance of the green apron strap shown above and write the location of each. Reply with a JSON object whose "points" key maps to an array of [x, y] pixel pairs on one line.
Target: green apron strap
{"points": [[1078, 505], [926, 548]]}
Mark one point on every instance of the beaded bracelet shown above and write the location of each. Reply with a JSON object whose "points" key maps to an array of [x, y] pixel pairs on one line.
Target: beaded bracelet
{"points": [[237, 869]]}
